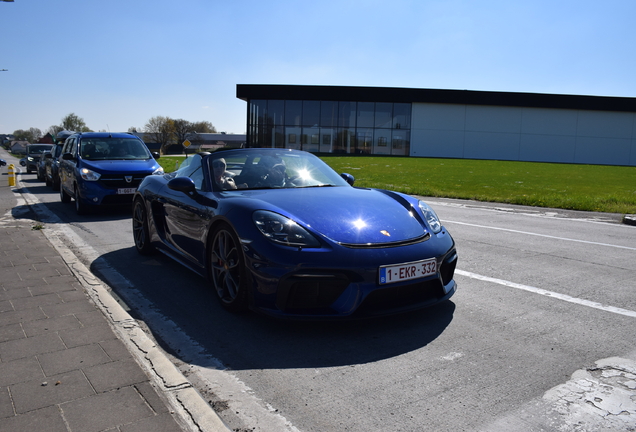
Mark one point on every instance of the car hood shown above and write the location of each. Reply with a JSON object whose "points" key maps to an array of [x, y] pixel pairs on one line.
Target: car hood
{"points": [[348, 215], [118, 166]]}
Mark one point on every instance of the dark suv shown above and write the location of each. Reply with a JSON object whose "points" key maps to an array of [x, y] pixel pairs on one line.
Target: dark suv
{"points": [[51, 166], [34, 151], [101, 168]]}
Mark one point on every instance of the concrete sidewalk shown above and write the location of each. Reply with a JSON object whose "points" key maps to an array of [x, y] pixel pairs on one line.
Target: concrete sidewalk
{"points": [[71, 359]]}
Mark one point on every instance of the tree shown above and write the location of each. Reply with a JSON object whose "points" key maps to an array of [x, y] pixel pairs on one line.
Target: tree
{"points": [[74, 123], [203, 127], [54, 130], [32, 135], [160, 130], [182, 128], [200, 128], [20, 135]]}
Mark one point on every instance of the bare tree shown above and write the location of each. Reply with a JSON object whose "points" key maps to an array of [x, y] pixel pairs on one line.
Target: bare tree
{"points": [[182, 128], [54, 130], [160, 130]]}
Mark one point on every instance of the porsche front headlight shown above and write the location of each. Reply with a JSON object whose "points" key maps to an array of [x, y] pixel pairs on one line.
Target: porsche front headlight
{"points": [[158, 171], [431, 217], [283, 230]]}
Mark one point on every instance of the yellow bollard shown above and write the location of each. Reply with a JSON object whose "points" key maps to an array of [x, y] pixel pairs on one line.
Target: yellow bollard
{"points": [[11, 174]]}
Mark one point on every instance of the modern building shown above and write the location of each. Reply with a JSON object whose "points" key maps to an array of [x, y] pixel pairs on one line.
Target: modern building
{"points": [[442, 123]]}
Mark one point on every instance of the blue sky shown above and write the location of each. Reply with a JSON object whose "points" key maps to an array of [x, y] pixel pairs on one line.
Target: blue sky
{"points": [[118, 63]]}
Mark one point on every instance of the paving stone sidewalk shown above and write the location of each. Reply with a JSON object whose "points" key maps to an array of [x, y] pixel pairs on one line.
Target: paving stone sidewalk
{"points": [[62, 367]]}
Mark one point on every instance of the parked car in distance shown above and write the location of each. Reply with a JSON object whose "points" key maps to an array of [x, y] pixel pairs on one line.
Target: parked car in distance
{"points": [[280, 232], [2, 162], [34, 151], [101, 168], [52, 166]]}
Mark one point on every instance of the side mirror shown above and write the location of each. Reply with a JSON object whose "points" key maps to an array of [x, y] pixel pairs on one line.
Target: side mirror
{"points": [[348, 178], [155, 155], [182, 184], [68, 156]]}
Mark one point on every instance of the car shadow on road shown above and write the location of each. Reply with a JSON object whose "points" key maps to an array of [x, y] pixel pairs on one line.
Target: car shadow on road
{"points": [[59, 212], [251, 341]]}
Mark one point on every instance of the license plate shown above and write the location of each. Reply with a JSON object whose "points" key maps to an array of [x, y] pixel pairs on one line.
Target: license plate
{"points": [[407, 271], [126, 191]]}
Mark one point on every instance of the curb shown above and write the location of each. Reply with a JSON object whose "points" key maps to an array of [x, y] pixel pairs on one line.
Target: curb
{"points": [[193, 413]]}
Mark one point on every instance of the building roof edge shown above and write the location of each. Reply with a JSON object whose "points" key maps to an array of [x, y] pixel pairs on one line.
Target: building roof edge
{"points": [[442, 96]]}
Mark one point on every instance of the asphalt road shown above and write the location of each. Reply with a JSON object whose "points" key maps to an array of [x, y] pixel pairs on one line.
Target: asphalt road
{"points": [[544, 298]]}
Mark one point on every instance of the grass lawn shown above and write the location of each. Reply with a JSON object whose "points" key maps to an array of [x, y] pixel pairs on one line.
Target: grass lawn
{"points": [[576, 187], [170, 163]]}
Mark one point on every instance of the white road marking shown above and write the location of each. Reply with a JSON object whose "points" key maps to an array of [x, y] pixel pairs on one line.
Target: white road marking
{"points": [[547, 293], [543, 235]]}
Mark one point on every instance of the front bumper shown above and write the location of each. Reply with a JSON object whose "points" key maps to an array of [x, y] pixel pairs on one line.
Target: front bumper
{"points": [[349, 289], [105, 192]]}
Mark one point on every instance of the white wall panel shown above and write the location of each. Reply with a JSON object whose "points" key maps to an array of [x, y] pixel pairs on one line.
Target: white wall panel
{"points": [[605, 124], [437, 143], [604, 151], [493, 119], [547, 148], [549, 121], [632, 159], [527, 134], [488, 145], [438, 116]]}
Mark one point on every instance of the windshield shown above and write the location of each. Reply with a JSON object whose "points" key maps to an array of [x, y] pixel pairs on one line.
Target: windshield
{"points": [[114, 148], [269, 169], [39, 149]]}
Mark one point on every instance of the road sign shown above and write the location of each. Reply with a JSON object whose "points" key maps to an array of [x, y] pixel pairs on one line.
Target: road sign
{"points": [[187, 143]]}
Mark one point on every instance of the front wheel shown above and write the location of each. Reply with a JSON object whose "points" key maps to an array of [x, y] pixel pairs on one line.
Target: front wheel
{"points": [[81, 208], [227, 269], [141, 234]]}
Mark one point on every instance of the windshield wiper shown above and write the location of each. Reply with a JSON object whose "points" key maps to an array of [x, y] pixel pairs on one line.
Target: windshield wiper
{"points": [[317, 186]]}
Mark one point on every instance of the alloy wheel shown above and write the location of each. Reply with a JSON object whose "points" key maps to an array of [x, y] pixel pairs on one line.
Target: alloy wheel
{"points": [[227, 268]]}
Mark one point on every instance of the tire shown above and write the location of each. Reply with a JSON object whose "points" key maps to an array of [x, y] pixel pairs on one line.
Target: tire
{"points": [[141, 233], [226, 265], [80, 207], [48, 181], [64, 197]]}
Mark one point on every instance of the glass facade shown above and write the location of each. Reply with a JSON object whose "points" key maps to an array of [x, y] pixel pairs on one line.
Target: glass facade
{"points": [[331, 126]]}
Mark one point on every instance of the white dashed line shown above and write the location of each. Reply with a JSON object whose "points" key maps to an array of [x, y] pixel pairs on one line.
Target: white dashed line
{"points": [[547, 293], [544, 235]]}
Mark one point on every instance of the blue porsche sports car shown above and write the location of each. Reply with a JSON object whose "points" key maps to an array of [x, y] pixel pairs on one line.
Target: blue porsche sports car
{"points": [[280, 232]]}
